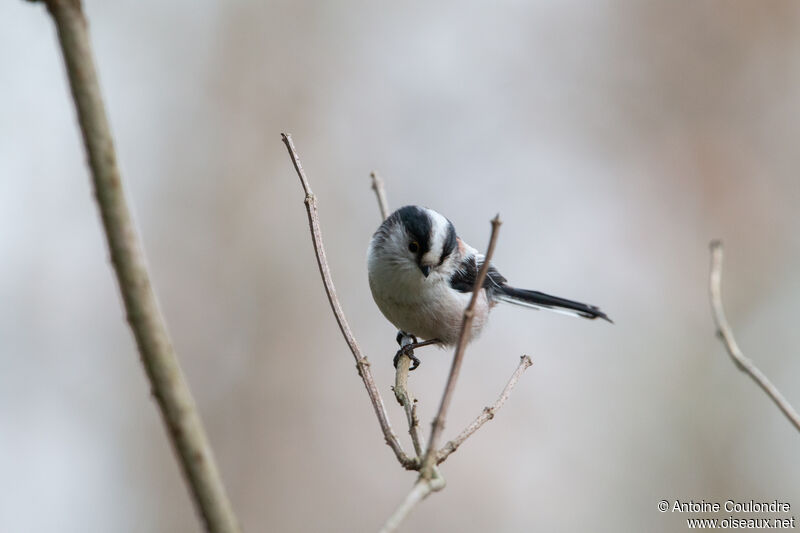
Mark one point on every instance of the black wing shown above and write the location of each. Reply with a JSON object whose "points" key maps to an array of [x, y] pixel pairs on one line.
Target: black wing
{"points": [[463, 279]]}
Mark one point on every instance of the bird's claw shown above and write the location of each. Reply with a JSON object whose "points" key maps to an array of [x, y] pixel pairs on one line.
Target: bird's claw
{"points": [[408, 351]]}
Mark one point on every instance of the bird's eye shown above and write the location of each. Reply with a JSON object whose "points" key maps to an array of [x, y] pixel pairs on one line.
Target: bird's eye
{"points": [[413, 247]]}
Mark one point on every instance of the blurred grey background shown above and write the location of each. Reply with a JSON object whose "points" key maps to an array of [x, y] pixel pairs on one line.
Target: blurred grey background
{"points": [[615, 139]]}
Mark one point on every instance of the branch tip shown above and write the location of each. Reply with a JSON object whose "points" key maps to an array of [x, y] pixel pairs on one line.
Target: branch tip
{"points": [[380, 194], [725, 333]]}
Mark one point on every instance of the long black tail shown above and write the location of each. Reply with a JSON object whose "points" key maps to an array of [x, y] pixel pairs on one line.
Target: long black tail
{"points": [[540, 300]]}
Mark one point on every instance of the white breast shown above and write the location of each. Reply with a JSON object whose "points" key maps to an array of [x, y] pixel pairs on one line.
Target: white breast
{"points": [[425, 307]]}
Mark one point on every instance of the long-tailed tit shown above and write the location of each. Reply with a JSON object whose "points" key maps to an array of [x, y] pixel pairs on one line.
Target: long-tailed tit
{"points": [[422, 274]]}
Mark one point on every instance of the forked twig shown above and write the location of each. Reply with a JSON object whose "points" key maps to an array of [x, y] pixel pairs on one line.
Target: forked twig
{"points": [[725, 333], [429, 461], [361, 361], [487, 414], [430, 479]]}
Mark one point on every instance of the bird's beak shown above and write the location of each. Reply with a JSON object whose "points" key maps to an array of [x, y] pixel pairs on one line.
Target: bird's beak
{"points": [[425, 270]]}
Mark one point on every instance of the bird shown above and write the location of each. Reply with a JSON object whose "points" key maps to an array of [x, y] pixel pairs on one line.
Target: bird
{"points": [[422, 274]]}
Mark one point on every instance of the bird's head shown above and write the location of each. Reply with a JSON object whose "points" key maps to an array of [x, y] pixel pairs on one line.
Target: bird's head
{"points": [[418, 236]]}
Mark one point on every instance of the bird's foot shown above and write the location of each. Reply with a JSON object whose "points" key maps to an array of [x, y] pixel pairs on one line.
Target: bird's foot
{"points": [[408, 343], [408, 351]]}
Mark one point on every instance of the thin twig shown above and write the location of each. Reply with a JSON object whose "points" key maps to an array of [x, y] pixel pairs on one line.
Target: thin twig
{"points": [[725, 334], [174, 398], [361, 362], [406, 399], [421, 489], [487, 414], [380, 193], [466, 329]]}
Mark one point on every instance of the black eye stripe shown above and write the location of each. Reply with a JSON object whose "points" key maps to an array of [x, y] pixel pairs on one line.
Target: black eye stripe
{"points": [[449, 242]]}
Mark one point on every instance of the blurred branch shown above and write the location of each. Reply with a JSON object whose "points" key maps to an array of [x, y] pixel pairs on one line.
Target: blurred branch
{"points": [[380, 193], [161, 364], [725, 334], [361, 362], [487, 414], [429, 461], [422, 488]]}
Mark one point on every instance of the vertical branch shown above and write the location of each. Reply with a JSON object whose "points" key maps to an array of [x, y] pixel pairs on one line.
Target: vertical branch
{"points": [[429, 462], [169, 387], [406, 400], [725, 333], [361, 362]]}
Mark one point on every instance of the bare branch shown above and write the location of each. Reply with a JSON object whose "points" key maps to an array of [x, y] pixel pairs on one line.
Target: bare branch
{"points": [[466, 329], [405, 399], [380, 193], [422, 488], [169, 387], [361, 362], [487, 414], [725, 334]]}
